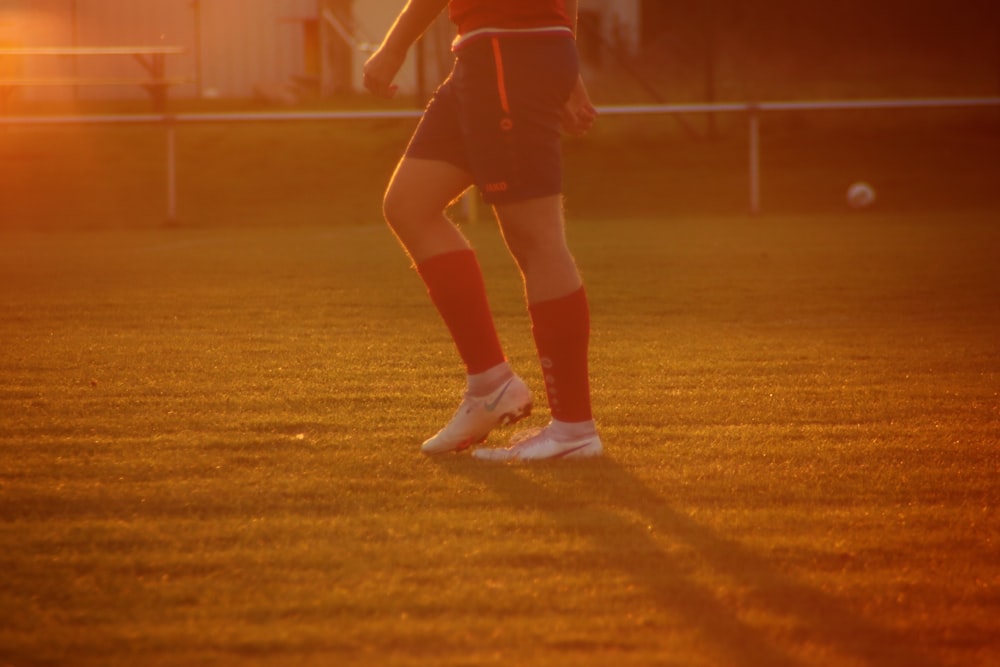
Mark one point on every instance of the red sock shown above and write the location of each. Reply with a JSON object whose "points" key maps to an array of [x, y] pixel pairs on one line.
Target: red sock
{"points": [[561, 328], [455, 284]]}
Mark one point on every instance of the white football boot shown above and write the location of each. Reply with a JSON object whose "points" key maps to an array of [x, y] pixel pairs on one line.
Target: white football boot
{"points": [[541, 444], [478, 415]]}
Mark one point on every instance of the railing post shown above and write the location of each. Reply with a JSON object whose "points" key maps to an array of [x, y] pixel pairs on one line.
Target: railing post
{"points": [[754, 158], [171, 170]]}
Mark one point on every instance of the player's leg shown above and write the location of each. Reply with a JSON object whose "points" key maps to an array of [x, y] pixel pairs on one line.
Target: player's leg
{"points": [[535, 234], [414, 208], [515, 156], [560, 321]]}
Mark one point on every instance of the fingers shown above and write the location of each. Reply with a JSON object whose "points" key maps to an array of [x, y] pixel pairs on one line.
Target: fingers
{"points": [[379, 71], [380, 88], [579, 114], [578, 119], [586, 117], [576, 127]]}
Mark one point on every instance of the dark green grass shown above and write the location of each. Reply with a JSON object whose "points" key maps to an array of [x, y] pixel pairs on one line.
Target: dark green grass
{"points": [[210, 451], [333, 173]]}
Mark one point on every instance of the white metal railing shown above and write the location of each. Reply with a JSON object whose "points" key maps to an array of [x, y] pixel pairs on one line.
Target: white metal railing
{"points": [[753, 110]]}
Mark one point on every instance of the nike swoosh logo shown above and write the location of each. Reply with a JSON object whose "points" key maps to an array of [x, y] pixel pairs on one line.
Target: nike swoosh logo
{"points": [[575, 449], [492, 405]]}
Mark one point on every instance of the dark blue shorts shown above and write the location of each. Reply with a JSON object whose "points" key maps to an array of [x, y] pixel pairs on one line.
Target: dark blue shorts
{"points": [[496, 116]]}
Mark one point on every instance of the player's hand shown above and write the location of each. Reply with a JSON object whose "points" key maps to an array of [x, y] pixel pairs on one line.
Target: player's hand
{"points": [[578, 114], [381, 69]]}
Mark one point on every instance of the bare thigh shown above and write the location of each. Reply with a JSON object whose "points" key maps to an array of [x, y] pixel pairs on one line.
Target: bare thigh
{"points": [[418, 194]]}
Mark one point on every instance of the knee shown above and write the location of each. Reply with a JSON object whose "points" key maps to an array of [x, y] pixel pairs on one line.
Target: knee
{"points": [[406, 211], [394, 208], [534, 247]]}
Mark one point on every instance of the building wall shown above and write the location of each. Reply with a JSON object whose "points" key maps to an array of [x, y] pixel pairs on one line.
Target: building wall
{"points": [[234, 48], [61, 23], [243, 43], [250, 44]]}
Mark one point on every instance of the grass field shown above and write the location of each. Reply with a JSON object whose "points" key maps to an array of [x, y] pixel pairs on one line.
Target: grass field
{"points": [[210, 432], [210, 451]]}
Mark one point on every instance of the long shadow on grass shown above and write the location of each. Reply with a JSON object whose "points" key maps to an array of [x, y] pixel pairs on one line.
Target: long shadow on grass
{"points": [[609, 497]]}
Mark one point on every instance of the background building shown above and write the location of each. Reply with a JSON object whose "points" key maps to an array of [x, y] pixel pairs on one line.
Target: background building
{"points": [[633, 50], [280, 49]]}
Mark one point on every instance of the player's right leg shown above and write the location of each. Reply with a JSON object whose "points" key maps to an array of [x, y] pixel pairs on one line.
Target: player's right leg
{"points": [[477, 415], [414, 206]]}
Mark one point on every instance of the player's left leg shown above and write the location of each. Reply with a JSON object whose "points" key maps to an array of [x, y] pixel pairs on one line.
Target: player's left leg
{"points": [[535, 234], [560, 319]]}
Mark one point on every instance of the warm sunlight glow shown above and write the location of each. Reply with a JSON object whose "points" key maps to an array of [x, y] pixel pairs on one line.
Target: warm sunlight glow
{"points": [[27, 26], [77, 155]]}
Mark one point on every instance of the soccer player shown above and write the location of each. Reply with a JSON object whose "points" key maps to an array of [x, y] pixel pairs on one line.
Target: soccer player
{"points": [[495, 123]]}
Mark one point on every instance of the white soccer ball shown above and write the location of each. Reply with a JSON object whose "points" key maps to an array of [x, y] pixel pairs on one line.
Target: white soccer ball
{"points": [[860, 195]]}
